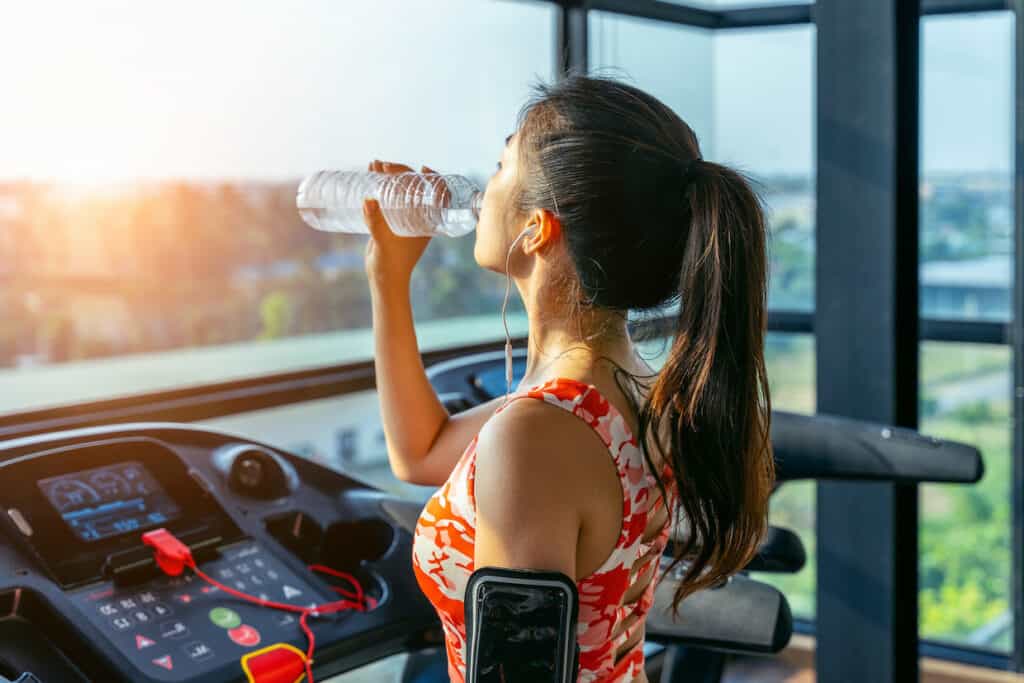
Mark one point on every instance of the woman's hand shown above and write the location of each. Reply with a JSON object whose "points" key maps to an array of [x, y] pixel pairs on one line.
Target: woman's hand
{"points": [[390, 258]]}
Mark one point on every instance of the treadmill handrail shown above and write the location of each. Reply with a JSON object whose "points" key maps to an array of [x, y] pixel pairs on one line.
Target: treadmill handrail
{"points": [[833, 447], [743, 616]]}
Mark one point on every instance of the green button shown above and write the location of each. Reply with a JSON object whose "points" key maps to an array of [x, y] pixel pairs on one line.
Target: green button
{"points": [[224, 617]]}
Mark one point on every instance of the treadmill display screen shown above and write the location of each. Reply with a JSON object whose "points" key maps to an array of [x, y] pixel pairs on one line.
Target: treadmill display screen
{"points": [[106, 501]]}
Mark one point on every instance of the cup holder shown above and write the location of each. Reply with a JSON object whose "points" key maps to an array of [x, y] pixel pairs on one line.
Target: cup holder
{"points": [[374, 589], [342, 547], [299, 533], [346, 544]]}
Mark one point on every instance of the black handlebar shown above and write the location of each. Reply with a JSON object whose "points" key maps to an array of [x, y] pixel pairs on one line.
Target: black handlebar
{"points": [[744, 616], [832, 447]]}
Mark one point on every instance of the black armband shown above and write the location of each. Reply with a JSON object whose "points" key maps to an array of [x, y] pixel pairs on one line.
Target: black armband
{"points": [[521, 626]]}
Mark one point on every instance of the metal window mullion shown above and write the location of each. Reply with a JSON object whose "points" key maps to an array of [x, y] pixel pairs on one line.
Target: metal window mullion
{"points": [[1017, 342], [867, 329], [571, 38], [660, 11], [933, 7]]}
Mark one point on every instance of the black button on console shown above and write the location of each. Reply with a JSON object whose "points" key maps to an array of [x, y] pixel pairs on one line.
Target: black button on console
{"points": [[121, 623], [173, 629], [160, 609], [198, 651]]}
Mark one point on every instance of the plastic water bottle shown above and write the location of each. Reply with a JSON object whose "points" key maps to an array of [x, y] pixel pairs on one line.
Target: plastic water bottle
{"points": [[414, 204]]}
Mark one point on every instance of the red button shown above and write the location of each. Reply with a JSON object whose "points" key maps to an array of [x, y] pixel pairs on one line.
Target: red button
{"points": [[279, 663], [164, 662], [245, 635], [142, 642], [183, 598]]}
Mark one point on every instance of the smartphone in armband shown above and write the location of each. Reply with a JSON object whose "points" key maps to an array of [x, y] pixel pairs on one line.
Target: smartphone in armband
{"points": [[521, 626]]}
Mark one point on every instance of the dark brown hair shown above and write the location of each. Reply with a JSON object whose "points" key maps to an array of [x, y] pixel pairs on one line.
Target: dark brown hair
{"points": [[647, 222]]}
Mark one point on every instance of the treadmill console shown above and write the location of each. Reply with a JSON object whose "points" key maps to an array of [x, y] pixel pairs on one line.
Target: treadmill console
{"points": [[81, 511]]}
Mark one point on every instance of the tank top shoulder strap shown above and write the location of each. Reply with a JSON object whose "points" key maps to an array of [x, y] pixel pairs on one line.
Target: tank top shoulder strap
{"points": [[587, 403]]}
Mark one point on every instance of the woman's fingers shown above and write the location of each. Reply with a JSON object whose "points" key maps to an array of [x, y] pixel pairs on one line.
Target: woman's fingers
{"points": [[378, 166], [374, 218], [391, 167]]}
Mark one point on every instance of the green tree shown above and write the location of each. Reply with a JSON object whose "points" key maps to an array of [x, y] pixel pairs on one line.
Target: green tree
{"points": [[276, 313]]}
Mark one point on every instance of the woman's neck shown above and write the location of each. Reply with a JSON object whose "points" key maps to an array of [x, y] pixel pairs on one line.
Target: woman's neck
{"points": [[571, 343]]}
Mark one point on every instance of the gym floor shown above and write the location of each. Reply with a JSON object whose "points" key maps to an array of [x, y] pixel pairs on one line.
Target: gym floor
{"points": [[762, 670]]}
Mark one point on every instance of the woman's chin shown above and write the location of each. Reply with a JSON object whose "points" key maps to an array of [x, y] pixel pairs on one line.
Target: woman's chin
{"points": [[483, 263], [486, 264]]}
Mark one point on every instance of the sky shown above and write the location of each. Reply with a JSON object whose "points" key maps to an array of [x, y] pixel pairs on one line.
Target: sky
{"points": [[111, 90]]}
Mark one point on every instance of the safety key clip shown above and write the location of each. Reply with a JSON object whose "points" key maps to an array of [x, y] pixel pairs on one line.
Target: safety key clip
{"points": [[172, 556]]}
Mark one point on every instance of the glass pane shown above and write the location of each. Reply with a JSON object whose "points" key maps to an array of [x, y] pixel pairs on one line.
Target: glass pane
{"points": [[148, 231], [791, 378], [965, 530], [967, 166], [748, 95]]}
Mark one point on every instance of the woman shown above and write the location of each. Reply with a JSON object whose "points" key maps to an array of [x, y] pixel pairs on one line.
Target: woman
{"points": [[600, 203]]}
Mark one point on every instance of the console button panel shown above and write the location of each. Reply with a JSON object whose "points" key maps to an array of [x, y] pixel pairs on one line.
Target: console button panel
{"points": [[173, 628]]}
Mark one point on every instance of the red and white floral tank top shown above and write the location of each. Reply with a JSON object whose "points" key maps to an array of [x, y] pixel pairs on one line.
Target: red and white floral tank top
{"points": [[443, 544]]}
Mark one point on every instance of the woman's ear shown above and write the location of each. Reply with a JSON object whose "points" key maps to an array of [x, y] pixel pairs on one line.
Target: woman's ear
{"points": [[545, 230]]}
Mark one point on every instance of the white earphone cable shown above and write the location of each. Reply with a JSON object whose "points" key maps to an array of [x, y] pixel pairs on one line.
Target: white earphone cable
{"points": [[504, 305]]}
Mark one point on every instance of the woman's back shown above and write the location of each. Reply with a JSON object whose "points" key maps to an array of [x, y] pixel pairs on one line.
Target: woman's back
{"points": [[614, 597]]}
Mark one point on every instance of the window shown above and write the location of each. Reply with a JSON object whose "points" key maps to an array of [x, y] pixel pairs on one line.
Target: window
{"points": [[748, 95], [966, 274], [967, 166], [148, 231], [965, 530]]}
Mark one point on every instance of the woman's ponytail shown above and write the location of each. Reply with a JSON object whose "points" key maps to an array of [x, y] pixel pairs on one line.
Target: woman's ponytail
{"points": [[711, 400]]}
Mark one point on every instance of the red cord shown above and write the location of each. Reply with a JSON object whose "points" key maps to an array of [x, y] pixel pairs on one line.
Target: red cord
{"points": [[172, 556]]}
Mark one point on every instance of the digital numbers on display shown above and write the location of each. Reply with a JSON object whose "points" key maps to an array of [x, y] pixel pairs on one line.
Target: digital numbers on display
{"points": [[106, 501]]}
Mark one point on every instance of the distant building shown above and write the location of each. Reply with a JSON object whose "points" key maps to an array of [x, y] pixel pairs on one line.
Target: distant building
{"points": [[977, 288]]}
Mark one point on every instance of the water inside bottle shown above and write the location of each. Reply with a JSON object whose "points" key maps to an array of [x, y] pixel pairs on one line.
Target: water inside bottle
{"points": [[332, 220], [459, 221]]}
